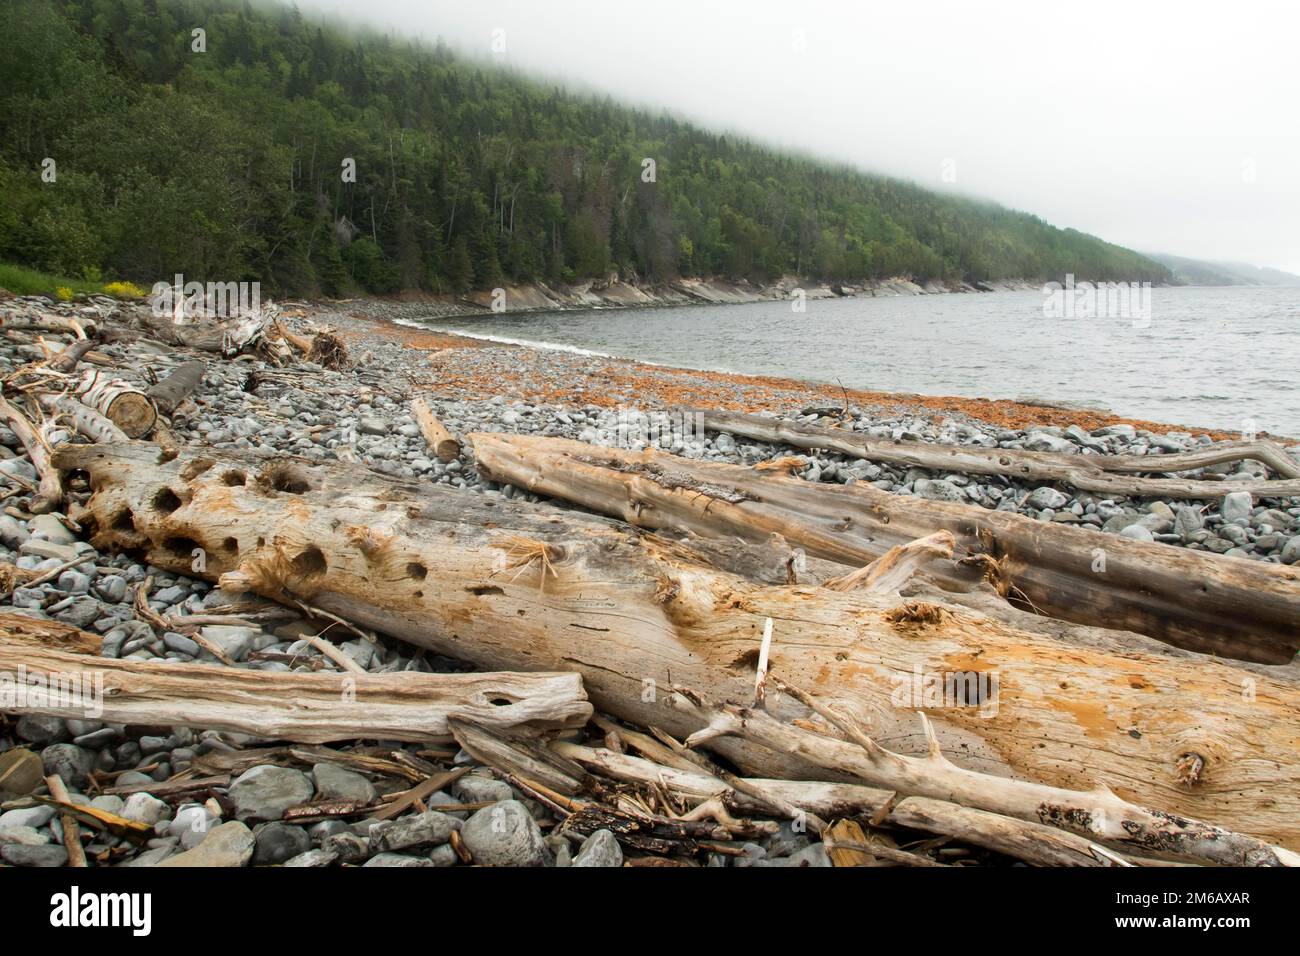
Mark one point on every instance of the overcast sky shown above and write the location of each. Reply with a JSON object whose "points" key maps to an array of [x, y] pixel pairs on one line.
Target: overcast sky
{"points": [[1168, 127]]}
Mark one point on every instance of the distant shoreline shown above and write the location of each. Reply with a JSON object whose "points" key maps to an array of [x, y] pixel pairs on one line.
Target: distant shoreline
{"points": [[539, 297], [654, 385]]}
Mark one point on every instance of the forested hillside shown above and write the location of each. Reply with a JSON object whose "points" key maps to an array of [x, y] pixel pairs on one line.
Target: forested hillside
{"points": [[229, 164]]}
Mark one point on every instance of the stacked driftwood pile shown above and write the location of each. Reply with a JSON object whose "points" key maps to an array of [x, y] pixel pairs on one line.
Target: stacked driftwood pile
{"points": [[892, 675]]}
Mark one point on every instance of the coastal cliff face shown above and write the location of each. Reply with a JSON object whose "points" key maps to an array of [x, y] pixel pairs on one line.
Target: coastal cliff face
{"points": [[615, 293]]}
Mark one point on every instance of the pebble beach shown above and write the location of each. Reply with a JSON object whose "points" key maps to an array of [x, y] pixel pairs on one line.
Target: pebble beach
{"points": [[363, 412]]}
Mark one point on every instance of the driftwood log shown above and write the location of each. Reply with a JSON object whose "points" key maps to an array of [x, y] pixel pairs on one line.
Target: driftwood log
{"points": [[436, 436], [1033, 842], [510, 586], [1099, 474], [1192, 599], [49, 493], [83, 418], [1099, 812], [43, 322], [305, 708], [201, 336], [66, 361], [177, 386], [120, 402]]}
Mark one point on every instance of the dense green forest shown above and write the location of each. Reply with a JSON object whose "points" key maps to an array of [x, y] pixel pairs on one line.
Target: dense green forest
{"points": [[230, 163]]}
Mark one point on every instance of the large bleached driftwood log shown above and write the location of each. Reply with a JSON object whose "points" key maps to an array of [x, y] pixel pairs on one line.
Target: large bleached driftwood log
{"points": [[1099, 474], [1204, 602], [305, 708], [514, 587]]}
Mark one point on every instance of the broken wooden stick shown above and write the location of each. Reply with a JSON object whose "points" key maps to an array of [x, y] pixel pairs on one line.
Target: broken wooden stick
{"points": [[71, 831], [66, 361], [1032, 842]]}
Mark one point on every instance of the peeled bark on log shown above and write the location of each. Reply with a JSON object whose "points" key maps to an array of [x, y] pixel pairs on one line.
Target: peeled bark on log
{"points": [[436, 435], [515, 587], [83, 418], [121, 402], [49, 493], [1192, 599], [1100, 474], [306, 708], [177, 386]]}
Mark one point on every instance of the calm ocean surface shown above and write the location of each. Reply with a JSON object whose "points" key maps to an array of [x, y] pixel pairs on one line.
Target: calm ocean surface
{"points": [[1207, 357]]}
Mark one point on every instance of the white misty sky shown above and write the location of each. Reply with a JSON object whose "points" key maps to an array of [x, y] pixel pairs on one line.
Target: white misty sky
{"points": [[1170, 127]]}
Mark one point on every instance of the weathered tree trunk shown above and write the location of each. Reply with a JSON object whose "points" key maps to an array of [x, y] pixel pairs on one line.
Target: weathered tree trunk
{"points": [[1100, 474], [514, 587], [1192, 599], [306, 708], [177, 386]]}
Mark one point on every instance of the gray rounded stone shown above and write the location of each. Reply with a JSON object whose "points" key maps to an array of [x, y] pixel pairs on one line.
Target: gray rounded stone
{"points": [[70, 762], [41, 730], [599, 849], [504, 835], [264, 793], [42, 855], [278, 842], [337, 783]]}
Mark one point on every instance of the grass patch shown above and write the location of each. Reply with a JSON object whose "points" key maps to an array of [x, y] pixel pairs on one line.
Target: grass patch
{"points": [[21, 280]]}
